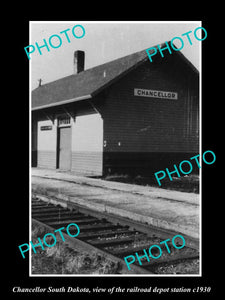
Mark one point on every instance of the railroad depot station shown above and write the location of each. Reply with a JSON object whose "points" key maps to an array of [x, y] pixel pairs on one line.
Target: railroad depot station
{"points": [[126, 115]]}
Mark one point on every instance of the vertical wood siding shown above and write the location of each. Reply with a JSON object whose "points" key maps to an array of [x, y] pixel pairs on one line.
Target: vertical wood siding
{"points": [[140, 124]]}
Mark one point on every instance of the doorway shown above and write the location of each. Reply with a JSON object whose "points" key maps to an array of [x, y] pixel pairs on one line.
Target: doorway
{"points": [[64, 148]]}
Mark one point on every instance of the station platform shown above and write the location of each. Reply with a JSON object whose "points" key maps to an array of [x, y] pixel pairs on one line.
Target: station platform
{"points": [[167, 209]]}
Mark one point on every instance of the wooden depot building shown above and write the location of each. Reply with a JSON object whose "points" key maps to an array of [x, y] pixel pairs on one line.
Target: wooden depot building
{"points": [[128, 115]]}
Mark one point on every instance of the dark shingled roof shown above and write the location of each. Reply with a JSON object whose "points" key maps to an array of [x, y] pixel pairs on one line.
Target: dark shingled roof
{"points": [[88, 83], [85, 84]]}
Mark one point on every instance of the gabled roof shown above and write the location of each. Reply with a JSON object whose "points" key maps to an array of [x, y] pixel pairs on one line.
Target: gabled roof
{"points": [[85, 84]]}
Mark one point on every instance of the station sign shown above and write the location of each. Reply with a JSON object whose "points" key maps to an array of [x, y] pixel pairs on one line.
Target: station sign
{"points": [[155, 94], [46, 127]]}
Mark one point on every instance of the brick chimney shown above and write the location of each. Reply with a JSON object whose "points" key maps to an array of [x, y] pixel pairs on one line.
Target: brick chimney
{"points": [[78, 61]]}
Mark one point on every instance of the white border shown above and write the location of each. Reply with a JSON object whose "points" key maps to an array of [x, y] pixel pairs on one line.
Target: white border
{"points": [[200, 145]]}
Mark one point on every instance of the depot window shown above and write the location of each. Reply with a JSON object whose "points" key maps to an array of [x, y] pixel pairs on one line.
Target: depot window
{"points": [[63, 121]]}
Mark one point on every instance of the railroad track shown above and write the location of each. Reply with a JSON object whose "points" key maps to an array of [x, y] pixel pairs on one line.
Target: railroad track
{"points": [[116, 237]]}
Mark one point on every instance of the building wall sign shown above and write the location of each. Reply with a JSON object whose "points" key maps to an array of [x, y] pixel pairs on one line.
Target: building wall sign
{"points": [[46, 127], [155, 94]]}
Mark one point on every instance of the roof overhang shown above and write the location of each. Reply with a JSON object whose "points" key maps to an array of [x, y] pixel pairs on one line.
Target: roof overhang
{"points": [[62, 102]]}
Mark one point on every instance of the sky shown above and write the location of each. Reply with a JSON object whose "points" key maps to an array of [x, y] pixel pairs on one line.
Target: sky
{"points": [[102, 42]]}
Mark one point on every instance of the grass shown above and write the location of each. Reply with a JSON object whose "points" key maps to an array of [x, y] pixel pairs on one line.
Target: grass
{"points": [[187, 183], [62, 259]]}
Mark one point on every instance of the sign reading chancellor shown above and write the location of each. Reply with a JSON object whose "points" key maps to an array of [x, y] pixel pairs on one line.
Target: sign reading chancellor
{"points": [[155, 94]]}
